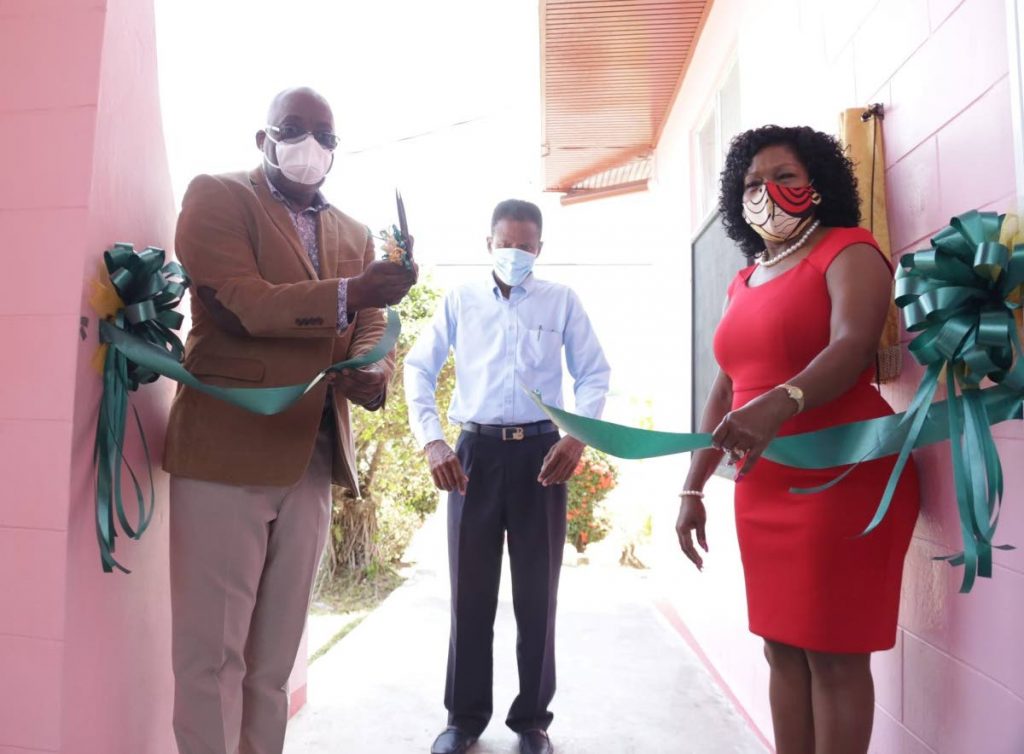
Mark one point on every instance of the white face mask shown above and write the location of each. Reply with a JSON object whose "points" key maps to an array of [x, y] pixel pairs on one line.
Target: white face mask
{"points": [[306, 161], [512, 265]]}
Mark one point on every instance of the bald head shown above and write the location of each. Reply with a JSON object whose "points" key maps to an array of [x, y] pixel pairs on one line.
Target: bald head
{"points": [[300, 99]]}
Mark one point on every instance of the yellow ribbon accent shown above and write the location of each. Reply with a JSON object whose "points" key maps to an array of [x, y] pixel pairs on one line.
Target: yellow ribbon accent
{"points": [[106, 303]]}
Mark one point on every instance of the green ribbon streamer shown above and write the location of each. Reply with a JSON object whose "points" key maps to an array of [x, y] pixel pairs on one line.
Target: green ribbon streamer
{"points": [[143, 348], [841, 445], [959, 297]]}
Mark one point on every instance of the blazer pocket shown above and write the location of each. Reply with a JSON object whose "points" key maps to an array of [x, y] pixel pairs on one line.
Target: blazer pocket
{"points": [[349, 268], [243, 370]]}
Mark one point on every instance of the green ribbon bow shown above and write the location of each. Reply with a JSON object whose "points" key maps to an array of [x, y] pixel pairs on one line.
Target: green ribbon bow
{"points": [[143, 347], [150, 290], [960, 296]]}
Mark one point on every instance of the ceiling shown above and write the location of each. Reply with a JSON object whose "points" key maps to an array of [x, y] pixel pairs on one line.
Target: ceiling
{"points": [[610, 70]]}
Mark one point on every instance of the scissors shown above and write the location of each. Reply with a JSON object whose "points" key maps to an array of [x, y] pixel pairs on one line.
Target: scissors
{"points": [[403, 231], [403, 223]]}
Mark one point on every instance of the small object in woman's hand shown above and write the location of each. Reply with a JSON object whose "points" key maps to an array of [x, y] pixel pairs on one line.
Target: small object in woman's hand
{"points": [[735, 456]]}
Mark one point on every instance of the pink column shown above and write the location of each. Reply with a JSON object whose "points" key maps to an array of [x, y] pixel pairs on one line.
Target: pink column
{"points": [[84, 656], [118, 627]]}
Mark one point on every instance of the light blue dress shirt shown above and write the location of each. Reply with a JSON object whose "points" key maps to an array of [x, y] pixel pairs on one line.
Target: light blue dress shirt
{"points": [[501, 346]]}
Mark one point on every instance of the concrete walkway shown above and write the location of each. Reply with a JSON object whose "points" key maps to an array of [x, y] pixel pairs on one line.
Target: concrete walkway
{"points": [[627, 682]]}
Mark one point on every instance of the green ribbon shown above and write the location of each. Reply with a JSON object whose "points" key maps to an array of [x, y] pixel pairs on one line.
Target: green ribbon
{"points": [[144, 347], [150, 290], [841, 445], [959, 296]]}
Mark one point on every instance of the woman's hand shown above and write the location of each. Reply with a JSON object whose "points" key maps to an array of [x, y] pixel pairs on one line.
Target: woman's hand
{"points": [[746, 432], [692, 518]]}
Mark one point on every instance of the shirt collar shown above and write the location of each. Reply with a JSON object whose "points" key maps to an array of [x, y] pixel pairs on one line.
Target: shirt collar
{"points": [[517, 291], [319, 202]]}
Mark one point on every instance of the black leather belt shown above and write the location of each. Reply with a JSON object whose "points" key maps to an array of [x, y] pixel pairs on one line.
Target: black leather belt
{"points": [[510, 431]]}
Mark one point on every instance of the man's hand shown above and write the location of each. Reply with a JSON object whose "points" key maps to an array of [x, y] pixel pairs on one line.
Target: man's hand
{"points": [[382, 284], [445, 467], [561, 461], [362, 386]]}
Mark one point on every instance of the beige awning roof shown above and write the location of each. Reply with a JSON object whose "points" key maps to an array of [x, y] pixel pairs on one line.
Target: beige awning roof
{"points": [[610, 70]]}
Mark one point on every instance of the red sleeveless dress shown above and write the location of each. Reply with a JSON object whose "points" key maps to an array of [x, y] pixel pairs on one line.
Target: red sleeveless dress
{"points": [[811, 581]]}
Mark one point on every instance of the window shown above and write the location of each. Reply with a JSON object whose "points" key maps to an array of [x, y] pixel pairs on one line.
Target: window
{"points": [[709, 166], [711, 142], [1015, 29], [716, 259]]}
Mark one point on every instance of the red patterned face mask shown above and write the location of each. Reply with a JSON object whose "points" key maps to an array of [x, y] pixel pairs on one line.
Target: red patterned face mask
{"points": [[778, 213]]}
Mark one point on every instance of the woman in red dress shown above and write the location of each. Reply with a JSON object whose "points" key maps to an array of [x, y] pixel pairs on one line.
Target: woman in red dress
{"points": [[796, 349]]}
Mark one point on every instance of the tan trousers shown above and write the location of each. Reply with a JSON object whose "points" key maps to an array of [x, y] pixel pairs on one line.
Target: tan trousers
{"points": [[243, 561]]}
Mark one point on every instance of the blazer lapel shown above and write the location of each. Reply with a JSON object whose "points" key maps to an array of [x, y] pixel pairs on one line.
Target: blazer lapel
{"points": [[282, 219], [327, 238]]}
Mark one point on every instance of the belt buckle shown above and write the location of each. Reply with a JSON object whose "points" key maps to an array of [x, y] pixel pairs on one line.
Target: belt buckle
{"points": [[512, 433]]}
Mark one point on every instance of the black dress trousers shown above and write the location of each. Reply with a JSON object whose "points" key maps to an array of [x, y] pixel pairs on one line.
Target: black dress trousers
{"points": [[503, 495]]}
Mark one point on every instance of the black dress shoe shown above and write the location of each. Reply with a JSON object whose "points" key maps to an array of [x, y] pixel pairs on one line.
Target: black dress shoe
{"points": [[452, 741], [535, 742]]}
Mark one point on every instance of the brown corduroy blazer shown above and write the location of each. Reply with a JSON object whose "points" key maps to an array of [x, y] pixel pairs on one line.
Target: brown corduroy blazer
{"points": [[262, 317]]}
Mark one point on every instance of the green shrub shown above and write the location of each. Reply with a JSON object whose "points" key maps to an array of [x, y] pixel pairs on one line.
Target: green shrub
{"points": [[587, 522], [397, 490]]}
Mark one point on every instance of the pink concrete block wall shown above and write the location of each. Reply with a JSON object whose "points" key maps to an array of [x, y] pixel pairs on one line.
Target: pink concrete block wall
{"points": [[964, 57], [950, 148], [26, 465], [84, 656], [953, 682], [37, 236], [42, 215], [117, 621], [30, 713]]}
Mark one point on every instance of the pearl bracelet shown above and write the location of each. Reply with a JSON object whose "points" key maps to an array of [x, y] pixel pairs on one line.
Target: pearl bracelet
{"points": [[692, 493]]}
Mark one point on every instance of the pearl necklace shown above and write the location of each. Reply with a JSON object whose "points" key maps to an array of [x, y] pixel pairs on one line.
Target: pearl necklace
{"points": [[791, 250]]}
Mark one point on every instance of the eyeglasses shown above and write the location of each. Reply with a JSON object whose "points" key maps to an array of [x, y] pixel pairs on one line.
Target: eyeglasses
{"points": [[290, 133]]}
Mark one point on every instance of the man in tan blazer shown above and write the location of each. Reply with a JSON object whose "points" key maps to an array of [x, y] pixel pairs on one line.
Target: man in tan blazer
{"points": [[283, 285]]}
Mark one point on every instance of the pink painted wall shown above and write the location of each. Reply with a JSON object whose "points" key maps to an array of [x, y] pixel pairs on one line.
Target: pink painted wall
{"points": [[118, 627], [50, 60], [954, 682], [84, 656]]}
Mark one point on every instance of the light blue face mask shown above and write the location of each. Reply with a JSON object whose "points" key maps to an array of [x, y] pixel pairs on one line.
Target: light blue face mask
{"points": [[512, 265]]}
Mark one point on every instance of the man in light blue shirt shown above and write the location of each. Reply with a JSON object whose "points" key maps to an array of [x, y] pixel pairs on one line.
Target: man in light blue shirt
{"points": [[508, 471]]}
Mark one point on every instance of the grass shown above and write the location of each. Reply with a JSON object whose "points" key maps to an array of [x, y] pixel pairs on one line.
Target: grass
{"points": [[358, 591], [355, 594], [336, 638]]}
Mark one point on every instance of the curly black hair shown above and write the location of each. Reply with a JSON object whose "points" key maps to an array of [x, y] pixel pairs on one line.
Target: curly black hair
{"points": [[829, 167]]}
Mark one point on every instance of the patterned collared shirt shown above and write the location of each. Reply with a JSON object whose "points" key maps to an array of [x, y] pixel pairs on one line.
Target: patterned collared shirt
{"points": [[305, 222]]}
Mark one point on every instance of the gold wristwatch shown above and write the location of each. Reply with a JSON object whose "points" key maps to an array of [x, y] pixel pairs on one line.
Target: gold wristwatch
{"points": [[795, 393]]}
